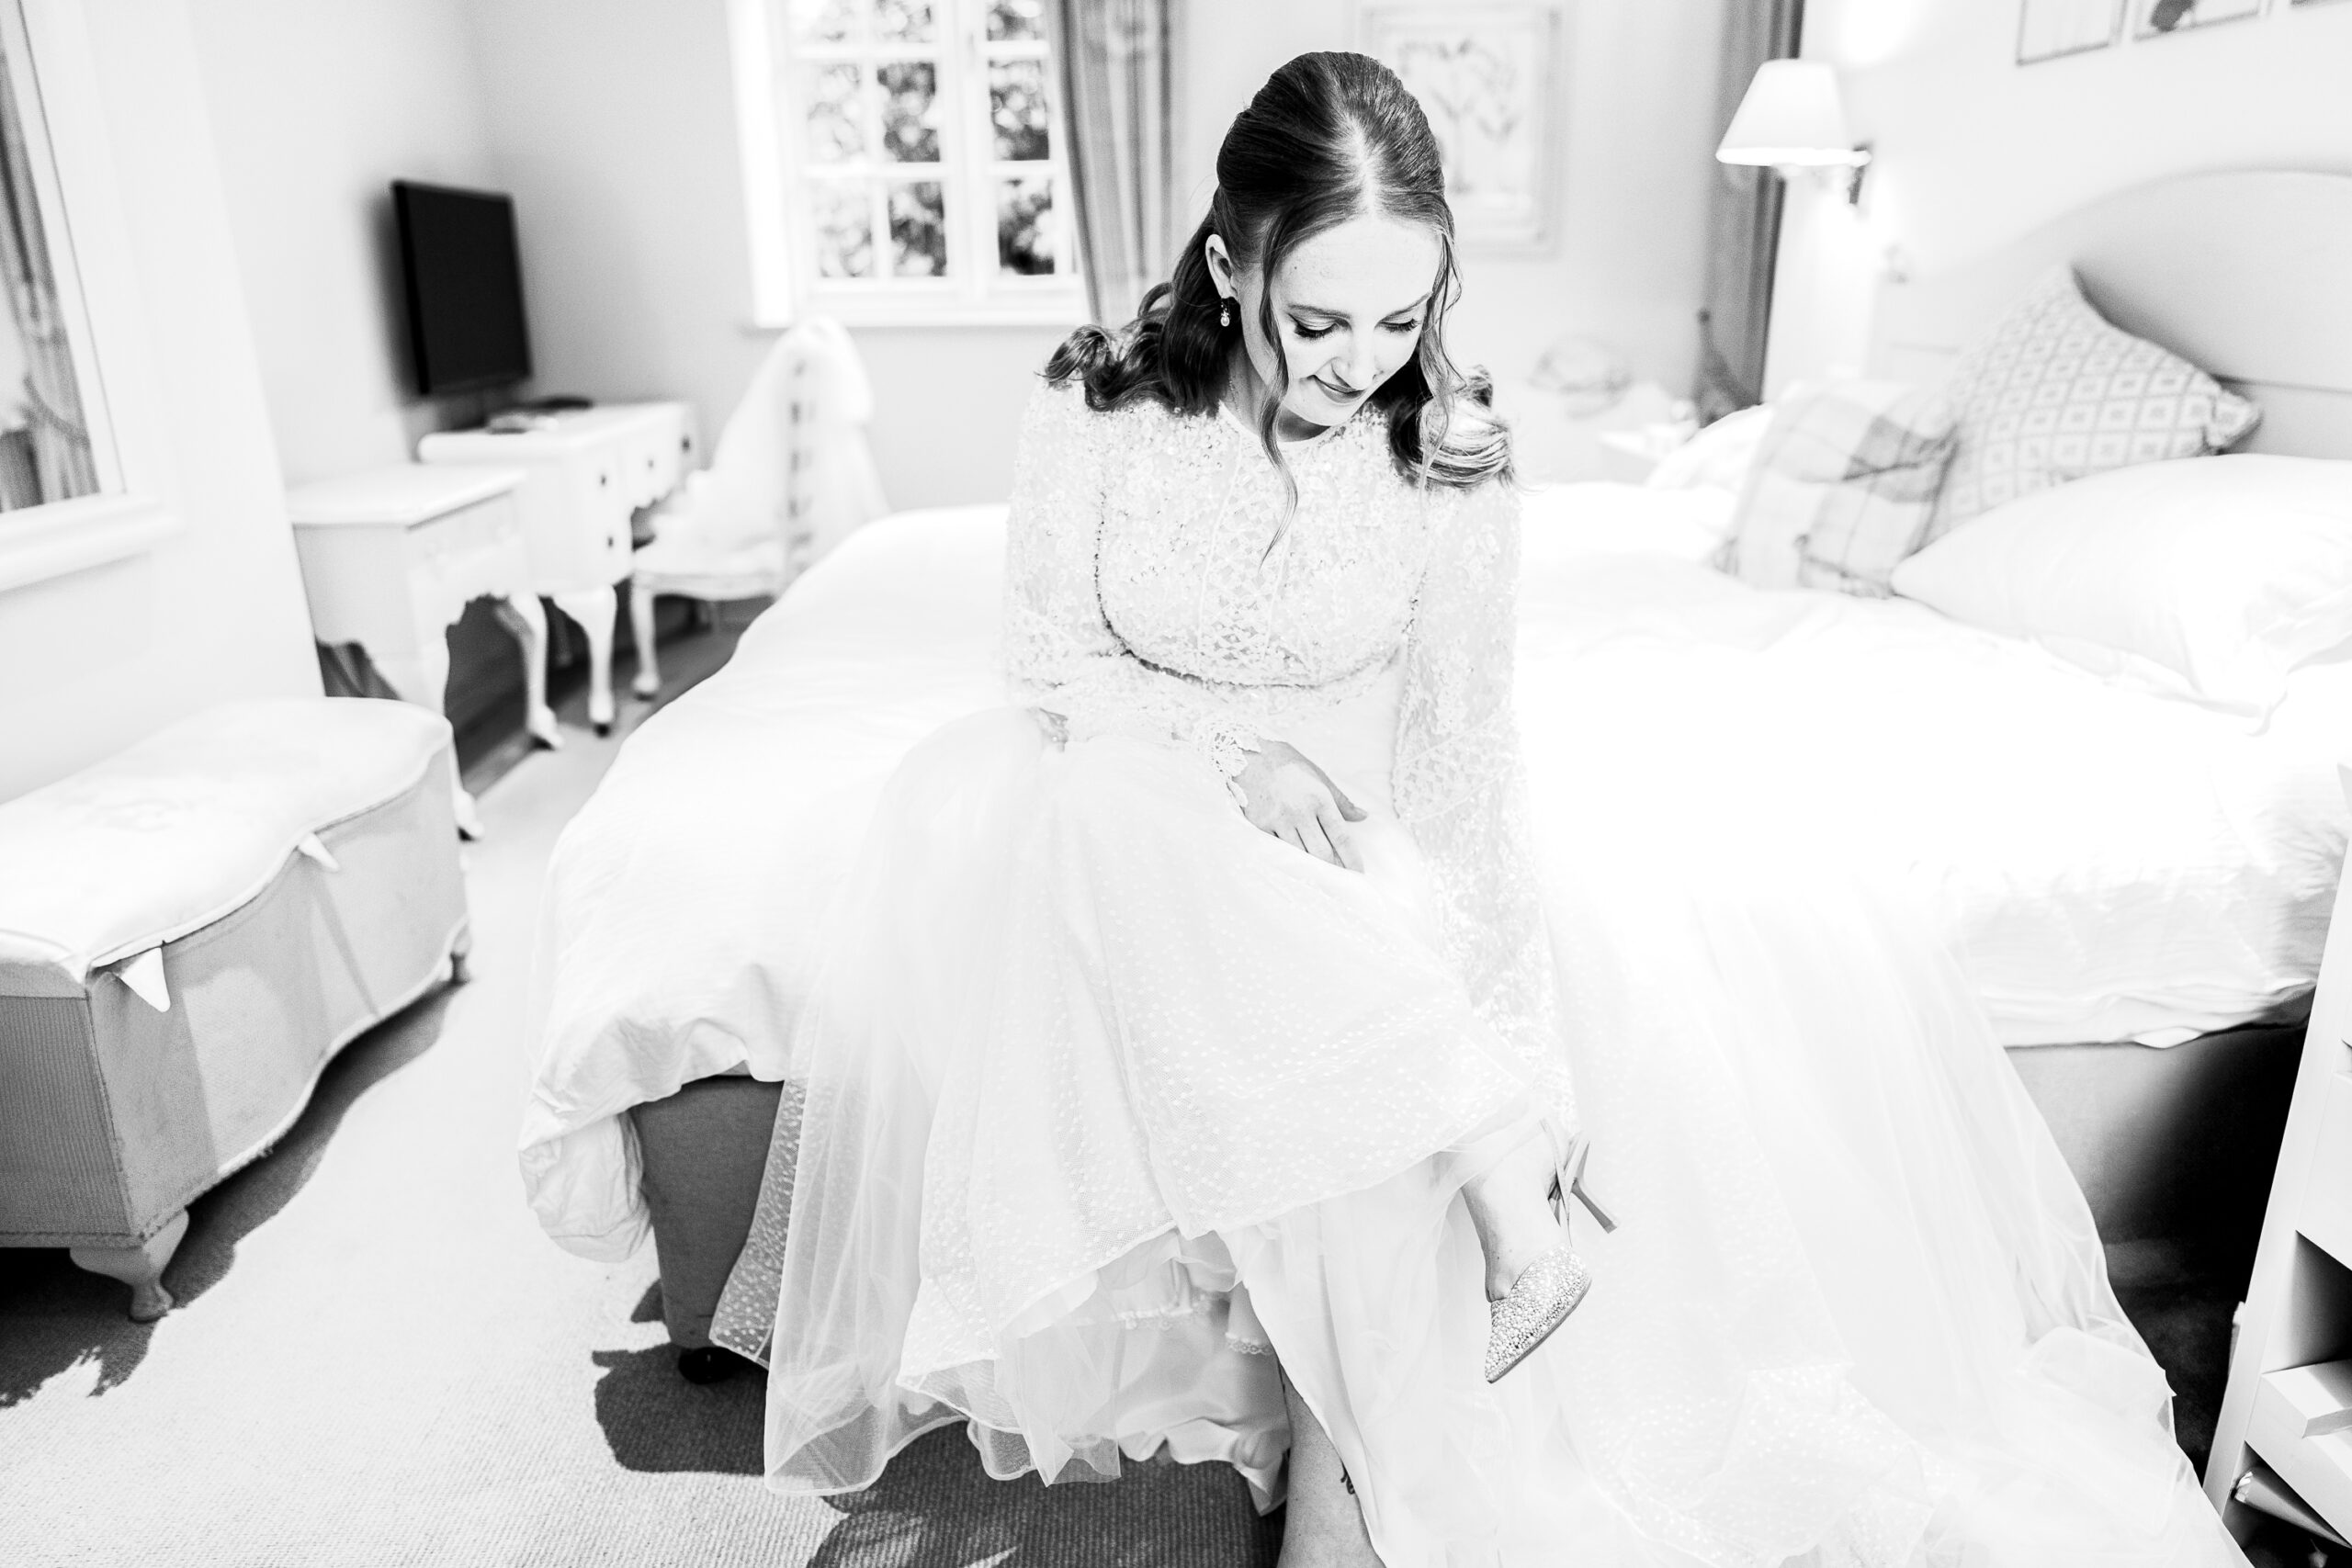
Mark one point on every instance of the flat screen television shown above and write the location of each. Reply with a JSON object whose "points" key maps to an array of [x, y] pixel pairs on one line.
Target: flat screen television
{"points": [[464, 278]]}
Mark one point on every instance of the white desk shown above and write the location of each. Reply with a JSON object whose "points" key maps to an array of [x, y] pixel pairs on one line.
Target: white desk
{"points": [[583, 474], [391, 559]]}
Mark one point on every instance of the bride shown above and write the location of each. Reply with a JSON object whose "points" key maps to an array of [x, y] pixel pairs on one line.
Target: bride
{"points": [[1191, 1065]]}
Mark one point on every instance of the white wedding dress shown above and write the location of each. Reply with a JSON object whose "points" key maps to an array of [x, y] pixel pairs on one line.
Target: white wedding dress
{"points": [[1109, 1095]]}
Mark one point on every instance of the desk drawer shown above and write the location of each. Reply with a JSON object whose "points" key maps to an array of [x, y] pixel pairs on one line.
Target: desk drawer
{"points": [[2326, 1219], [652, 462], [485, 527]]}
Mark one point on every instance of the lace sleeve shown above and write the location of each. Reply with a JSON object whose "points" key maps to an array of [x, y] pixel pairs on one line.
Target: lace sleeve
{"points": [[1061, 656], [1458, 786]]}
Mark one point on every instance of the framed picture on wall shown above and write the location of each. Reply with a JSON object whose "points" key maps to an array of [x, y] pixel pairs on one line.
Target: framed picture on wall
{"points": [[2151, 17], [2052, 29], [1487, 74]]}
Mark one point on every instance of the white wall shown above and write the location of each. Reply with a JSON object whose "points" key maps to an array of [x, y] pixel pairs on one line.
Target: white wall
{"points": [[99, 657], [315, 110], [613, 124], [1973, 151]]}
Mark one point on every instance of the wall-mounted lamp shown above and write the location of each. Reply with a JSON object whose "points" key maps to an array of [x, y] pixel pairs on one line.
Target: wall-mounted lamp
{"points": [[1795, 120]]}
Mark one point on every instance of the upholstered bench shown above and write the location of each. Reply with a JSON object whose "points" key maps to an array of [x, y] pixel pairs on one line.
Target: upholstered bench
{"points": [[188, 930]]}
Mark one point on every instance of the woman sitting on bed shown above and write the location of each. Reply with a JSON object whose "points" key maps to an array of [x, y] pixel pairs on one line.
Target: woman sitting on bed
{"points": [[1190, 1065]]}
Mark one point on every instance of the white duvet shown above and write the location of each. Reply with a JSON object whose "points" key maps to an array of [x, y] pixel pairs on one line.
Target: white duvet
{"points": [[2110, 865]]}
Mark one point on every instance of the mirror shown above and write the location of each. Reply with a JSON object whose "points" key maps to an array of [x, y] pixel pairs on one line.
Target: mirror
{"points": [[46, 452]]}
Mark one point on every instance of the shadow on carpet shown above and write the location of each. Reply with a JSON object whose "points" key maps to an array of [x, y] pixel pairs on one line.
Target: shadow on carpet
{"points": [[54, 1317], [934, 1506]]}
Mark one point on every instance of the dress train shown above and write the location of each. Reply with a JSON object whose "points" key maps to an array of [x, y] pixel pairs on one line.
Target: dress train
{"points": [[1107, 1093]]}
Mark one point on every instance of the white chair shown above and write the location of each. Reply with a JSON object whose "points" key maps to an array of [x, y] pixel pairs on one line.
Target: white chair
{"points": [[791, 475]]}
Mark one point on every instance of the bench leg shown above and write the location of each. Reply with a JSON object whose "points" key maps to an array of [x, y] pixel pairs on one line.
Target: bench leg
{"points": [[139, 1267], [461, 953]]}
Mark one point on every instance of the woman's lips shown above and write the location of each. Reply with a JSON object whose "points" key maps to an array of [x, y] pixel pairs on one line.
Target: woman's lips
{"points": [[1334, 391]]}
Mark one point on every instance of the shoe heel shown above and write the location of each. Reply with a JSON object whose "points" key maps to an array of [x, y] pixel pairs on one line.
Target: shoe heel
{"points": [[1600, 1216]]}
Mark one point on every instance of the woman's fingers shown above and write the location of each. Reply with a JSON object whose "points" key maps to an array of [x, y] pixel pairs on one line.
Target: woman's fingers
{"points": [[1305, 831], [1349, 811], [1335, 832]]}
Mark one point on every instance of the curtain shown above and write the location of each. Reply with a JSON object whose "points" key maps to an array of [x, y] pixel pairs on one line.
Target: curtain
{"points": [[1743, 220], [59, 441], [1114, 60]]}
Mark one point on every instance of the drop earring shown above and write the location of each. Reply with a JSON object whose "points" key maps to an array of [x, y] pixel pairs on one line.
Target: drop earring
{"points": [[1224, 311]]}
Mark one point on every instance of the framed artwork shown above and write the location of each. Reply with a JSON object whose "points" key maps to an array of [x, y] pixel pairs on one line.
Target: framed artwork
{"points": [[2151, 17], [1487, 73], [2052, 29]]}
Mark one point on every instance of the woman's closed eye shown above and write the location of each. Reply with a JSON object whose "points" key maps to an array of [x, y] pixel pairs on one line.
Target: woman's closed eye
{"points": [[1309, 334]]}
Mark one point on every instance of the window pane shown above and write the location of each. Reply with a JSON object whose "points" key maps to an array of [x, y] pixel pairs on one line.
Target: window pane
{"points": [[918, 229], [823, 21], [1017, 107], [904, 21], [842, 213], [910, 110], [835, 118], [1016, 19], [1025, 227]]}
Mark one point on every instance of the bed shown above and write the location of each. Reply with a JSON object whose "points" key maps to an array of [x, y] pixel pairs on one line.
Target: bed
{"points": [[2138, 886]]}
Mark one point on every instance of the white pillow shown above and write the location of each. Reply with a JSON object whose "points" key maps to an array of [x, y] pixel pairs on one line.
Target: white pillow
{"points": [[2207, 577], [1718, 456]]}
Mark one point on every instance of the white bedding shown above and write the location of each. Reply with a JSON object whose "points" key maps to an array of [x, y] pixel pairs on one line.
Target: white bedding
{"points": [[2110, 865]]}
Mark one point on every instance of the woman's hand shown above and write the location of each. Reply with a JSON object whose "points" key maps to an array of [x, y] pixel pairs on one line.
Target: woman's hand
{"points": [[1283, 794]]}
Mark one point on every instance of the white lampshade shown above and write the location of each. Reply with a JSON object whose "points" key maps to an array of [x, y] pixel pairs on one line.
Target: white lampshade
{"points": [[1791, 118]]}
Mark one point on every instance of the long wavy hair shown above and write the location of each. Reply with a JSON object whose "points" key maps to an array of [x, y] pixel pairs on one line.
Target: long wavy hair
{"points": [[1329, 138]]}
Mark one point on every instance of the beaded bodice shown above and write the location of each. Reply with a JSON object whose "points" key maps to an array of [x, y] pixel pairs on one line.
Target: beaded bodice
{"points": [[1187, 580], [1143, 597]]}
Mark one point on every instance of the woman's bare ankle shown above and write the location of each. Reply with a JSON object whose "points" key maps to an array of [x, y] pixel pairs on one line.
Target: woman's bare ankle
{"points": [[1509, 1209]]}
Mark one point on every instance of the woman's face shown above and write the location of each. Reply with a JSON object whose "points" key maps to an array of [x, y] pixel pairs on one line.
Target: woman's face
{"points": [[1349, 306]]}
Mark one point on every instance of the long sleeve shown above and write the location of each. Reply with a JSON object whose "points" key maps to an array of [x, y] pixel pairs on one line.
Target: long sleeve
{"points": [[1459, 784], [1062, 656]]}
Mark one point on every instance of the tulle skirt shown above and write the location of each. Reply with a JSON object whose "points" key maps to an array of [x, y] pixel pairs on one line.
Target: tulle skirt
{"points": [[1109, 1096]]}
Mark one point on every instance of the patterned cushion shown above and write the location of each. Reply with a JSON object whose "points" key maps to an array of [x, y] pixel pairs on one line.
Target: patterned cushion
{"points": [[1842, 487], [2056, 393]]}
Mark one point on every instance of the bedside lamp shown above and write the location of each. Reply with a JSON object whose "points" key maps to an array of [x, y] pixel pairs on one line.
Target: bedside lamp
{"points": [[1793, 119]]}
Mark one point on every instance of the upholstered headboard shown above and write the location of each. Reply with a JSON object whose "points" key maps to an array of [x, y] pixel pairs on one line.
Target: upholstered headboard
{"points": [[2247, 274]]}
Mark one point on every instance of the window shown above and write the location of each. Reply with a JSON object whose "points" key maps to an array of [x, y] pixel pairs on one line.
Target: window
{"points": [[921, 161]]}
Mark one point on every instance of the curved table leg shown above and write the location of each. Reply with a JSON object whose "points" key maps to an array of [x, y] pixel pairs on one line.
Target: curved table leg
{"points": [[140, 1267], [423, 679], [525, 619], [594, 608], [640, 625]]}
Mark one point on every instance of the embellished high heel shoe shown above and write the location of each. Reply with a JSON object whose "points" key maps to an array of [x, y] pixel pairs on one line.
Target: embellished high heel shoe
{"points": [[1550, 1288]]}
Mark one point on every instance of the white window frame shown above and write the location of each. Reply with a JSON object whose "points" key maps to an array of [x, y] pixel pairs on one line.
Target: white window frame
{"points": [[51, 68], [784, 284]]}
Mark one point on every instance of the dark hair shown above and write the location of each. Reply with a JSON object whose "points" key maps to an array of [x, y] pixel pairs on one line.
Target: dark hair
{"points": [[1328, 138]]}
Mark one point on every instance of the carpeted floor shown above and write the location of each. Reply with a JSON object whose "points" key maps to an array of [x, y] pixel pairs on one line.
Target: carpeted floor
{"points": [[379, 1360]]}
